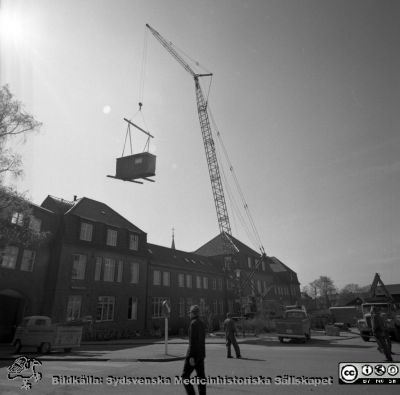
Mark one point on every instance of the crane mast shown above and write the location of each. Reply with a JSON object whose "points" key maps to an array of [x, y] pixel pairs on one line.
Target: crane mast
{"points": [[208, 141]]}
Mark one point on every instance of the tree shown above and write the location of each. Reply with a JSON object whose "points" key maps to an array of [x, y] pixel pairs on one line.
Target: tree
{"points": [[14, 123], [324, 288]]}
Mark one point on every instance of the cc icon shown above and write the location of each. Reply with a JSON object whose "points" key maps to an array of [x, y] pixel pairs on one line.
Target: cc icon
{"points": [[348, 373]]}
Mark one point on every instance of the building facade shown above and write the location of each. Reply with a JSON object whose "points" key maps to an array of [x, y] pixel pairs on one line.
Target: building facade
{"points": [[98, 270]]}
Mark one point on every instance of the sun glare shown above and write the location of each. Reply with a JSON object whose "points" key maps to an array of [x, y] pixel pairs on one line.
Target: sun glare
{"points": [[13, 26]]}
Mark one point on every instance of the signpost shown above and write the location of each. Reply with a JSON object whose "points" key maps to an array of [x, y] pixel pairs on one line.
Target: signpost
{"points": [[166, 310]]}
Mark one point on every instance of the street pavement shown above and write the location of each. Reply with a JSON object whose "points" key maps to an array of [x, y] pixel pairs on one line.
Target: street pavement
{"points": [[117, 364]]}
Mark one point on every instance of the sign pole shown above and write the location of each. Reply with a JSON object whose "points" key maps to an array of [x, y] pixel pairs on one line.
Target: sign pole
{"points": [[166, 335]]}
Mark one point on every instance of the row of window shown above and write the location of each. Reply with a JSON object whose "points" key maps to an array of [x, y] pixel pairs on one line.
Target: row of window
{"points": [[9, 257], [185, 280], [86, 234], [104, 310], [106, 269], [216, 306]]}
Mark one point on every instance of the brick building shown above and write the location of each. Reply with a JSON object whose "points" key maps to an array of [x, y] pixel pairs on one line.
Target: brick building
{"points": [[23, 272], [98, 269]]}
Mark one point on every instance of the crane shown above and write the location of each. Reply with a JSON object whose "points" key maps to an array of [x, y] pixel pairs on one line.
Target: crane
{"points": [[209, 145], [213, 166]]}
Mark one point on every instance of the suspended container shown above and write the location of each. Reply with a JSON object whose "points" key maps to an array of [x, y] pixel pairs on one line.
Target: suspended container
{"points": [[135, 166]]}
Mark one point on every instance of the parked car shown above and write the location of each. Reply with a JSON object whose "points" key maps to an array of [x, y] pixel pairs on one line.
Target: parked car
{"points": [[38, 331]]}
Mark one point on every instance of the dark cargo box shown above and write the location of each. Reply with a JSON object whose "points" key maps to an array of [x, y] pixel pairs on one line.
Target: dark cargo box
{"points": [[136, 166]]}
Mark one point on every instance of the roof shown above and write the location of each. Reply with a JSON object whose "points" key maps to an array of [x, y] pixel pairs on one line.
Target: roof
{"points": [[57, 205], [215, 247], [91, 210], [164, 256], [393, 289]]}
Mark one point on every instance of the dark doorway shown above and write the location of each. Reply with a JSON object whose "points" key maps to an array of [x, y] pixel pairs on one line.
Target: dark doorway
{"points": [[11, 313]]}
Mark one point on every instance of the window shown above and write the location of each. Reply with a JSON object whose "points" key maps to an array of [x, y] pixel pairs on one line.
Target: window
{"points": [[182, 307], [221, 306], [112, 236], [28, 260], [156, 277], [86, 231], [249, 262], [119, 270], [133, 242], [230, 306], [220, 284], [78, 266], [74, 307], [134, 273], [263, 265], [188, 280], [9, 257], [17, 218], [166, 279], [259, 289], [227, 262], [132, 308], [157, 306], [181, 280], [105, 308], [198, 282], [35, 223], [189, 302], [214, 283], [205, 282], [215, 306], [97, 269], [109, 269]]}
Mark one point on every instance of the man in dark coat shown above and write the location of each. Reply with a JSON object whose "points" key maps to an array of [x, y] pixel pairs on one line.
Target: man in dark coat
{"points": [[230, 336], [380, 333], [196, 353]]}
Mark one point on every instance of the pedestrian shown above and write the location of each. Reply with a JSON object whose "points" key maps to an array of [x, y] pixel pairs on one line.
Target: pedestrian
{"points": [[230, 336], [196, 353], [380, 333]]}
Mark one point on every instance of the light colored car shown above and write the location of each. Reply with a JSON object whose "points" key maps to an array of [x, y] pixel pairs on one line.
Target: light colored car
{"points": [[295, 324], [38, 331]]}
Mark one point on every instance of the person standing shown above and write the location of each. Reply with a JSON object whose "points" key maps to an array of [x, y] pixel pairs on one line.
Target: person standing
{"points": [[380, 333], [196, 353], [230, 336]]}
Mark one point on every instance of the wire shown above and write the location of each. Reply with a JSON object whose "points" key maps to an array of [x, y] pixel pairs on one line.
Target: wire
{"points": [[239, 189], [143, 67]]}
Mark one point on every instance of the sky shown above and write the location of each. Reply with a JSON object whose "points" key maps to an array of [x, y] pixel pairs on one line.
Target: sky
{"points": [[305, 95]]}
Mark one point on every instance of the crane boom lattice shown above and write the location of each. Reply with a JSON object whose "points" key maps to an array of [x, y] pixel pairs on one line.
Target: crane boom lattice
{"points": [[208, 141]]}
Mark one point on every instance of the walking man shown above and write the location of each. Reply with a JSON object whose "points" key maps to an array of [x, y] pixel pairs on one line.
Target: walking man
{"points": [[196, 353], [380, 333], [230, 336]]}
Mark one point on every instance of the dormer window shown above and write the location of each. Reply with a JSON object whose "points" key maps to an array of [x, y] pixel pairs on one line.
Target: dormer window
{"points": [[86, 231], [17, 218], [134, 242], [112, 236]]}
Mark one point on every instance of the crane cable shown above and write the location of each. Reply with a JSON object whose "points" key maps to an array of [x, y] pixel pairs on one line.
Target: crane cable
{"points": [[241, 194], [143, 68], [141, 94]]}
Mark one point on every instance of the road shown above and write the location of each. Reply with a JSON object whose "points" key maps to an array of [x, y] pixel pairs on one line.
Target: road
{"points": [[263, 357]]}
